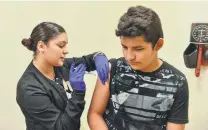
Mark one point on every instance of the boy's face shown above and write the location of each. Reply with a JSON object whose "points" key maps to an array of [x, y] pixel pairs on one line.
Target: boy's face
{"points": [[138, 53]]}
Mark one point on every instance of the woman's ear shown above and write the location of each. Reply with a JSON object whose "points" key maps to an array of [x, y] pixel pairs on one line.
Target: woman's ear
{"points": [[41, 46], [159, 44]]}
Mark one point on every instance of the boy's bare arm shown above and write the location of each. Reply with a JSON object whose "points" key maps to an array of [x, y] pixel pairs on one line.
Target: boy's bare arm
{"points": [[98, 105], [173, 126]]}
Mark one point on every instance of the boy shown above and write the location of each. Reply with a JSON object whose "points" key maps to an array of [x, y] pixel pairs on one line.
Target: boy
{"points": [[143, 92]]}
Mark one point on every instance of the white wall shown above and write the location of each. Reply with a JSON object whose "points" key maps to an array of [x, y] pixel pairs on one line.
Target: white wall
{"points": [[90, 27]]}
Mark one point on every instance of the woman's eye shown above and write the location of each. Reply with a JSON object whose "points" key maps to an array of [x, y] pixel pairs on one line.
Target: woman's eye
{"points": [[60, 46]]}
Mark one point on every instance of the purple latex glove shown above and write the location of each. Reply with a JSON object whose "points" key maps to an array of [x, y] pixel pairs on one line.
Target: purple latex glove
{"points": [[102, 67], [76, 77]]}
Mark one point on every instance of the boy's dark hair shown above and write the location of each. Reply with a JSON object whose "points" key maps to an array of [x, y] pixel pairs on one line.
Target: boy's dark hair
{"points": [[140, 21]]}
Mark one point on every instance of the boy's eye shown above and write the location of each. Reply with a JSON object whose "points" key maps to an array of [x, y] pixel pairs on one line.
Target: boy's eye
{"points": [[124, 47], [139, 49]]}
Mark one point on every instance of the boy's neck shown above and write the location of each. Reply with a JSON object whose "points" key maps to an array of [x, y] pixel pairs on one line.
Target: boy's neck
{"points": [[155, 65]]}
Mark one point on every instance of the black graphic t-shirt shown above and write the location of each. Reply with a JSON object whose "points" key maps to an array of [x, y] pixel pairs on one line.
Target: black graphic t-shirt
{"points": [[146, 100]]}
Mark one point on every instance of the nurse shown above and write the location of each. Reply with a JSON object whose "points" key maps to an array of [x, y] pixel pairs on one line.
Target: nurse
{"points": [[51, 91]]}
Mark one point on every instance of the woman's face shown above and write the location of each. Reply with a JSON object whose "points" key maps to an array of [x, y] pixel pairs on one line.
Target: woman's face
{"points": [[56, 50]]}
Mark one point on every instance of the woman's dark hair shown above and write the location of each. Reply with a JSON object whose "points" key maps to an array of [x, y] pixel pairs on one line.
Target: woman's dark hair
{"points": [[42, 32]]}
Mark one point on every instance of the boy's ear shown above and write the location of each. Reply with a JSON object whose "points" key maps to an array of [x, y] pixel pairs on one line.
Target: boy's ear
{"points": [[159, 44]]}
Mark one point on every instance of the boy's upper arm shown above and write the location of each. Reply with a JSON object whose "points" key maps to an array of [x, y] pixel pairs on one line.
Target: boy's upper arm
{"points": [[172, 126], [100, 97], [101, 93]]}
